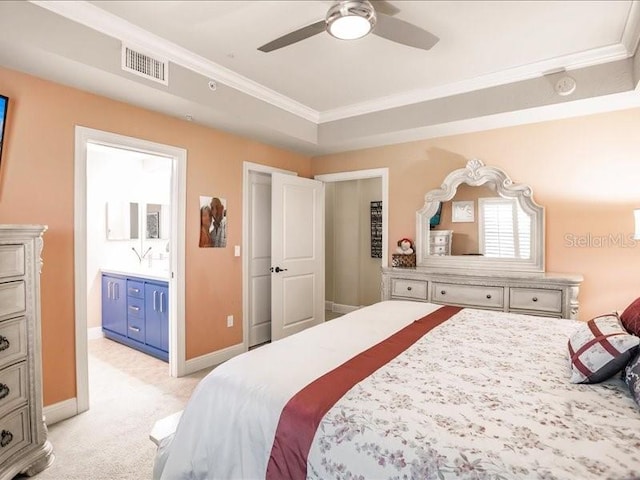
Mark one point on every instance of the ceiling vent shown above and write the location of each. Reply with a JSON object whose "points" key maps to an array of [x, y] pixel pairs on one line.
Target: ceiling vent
{"points": [[145, 65]]}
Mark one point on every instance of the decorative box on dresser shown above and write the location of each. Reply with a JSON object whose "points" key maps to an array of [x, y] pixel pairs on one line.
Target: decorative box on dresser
{"points": [[24, 447], [541, 294]]}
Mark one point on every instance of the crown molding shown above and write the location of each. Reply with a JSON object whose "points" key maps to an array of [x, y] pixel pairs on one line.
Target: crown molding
{"points": [[89, 15], [631, 34]]}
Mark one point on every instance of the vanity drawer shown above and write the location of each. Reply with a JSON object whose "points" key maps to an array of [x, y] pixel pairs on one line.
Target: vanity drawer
{"points": [[11, 260], [12, 298], [409, 289], [14, 433], [135, 289], [470, 295], [13, 340], [536, 299], [13, 387], [439, 250]]}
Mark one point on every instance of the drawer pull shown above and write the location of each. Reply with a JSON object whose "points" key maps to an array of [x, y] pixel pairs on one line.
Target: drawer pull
{"points": [[409, 288], [4, 343], [134, 329], [5, 438], [4, 391], [134, 308], [488, 295], [443, 292], [134, 290], [535, 299]]}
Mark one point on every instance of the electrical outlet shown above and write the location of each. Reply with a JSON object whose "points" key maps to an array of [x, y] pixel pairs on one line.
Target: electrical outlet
{"points": [[229, 320]]}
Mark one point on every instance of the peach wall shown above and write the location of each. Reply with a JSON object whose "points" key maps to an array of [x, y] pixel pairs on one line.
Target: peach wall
{"points": [[36, 186], [585, 171]]}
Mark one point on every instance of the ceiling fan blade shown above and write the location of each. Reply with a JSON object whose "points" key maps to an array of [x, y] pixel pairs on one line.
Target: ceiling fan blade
{"points": [[296, 36], [403, 32], [384, 7]]}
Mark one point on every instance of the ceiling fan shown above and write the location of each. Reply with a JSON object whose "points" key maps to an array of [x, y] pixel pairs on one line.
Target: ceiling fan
{"points": [[352, 19]]}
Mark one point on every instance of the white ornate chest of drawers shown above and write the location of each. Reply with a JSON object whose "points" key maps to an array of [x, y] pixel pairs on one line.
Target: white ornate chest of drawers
{"points": [[23, 435], [544, 294], [440, 242]]}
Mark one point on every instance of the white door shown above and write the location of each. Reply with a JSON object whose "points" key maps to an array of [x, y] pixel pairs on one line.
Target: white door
{"points": [[259, 258], [297, 254]]}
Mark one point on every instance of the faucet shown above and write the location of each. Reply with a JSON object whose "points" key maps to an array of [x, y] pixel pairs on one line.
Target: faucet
{"points": [[141, 257]]}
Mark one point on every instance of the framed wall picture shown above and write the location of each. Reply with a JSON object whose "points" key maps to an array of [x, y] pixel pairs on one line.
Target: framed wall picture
{"points": [[463, 211], [4, 104], [376, 229]]}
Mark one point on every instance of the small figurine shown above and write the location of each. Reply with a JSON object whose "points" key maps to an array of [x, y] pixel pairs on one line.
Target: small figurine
{"points": [[405, 246]]}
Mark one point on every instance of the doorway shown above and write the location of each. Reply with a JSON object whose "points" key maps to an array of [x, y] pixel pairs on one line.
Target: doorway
{"points": [[170, 251], [356, 226]]}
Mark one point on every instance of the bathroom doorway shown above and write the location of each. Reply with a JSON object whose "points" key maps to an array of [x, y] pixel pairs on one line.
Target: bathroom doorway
{"points": [[129, 222]]}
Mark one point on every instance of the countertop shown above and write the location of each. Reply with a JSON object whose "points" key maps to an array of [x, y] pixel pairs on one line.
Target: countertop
{"points": [[140, 272]]}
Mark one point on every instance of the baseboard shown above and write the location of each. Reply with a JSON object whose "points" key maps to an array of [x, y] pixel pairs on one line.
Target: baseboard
{"points": [[338, 308], [60, 411], [328, 305], [214, 358], [94, 333]]}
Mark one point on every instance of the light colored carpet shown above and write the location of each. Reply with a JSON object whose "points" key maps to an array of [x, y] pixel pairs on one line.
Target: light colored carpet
{"points": [[129, 391]]}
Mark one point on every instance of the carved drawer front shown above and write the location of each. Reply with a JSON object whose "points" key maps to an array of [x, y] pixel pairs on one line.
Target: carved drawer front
{"points": [[13, 340], [14, 433], [12, 298], [13, 387], [439, 250], [409, 289], [536, 299], [470, 295], [439, 239], [11, 260]]}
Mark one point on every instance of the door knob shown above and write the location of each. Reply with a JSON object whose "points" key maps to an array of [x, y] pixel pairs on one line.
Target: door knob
{"points": [[278, 269]]}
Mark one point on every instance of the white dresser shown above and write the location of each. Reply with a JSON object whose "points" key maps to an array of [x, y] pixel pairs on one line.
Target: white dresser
{"points": [[440, 242], [542, 294], [23, 434]]}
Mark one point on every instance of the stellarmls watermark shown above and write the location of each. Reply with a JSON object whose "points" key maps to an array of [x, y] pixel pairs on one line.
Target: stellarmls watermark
{"points": [[589, 240]]}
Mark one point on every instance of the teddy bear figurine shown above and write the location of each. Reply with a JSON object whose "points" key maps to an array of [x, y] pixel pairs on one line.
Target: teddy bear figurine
{"points": [[405, 246]]}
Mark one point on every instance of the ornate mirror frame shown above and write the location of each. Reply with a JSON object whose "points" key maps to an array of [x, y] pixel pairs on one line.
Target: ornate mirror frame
{"points": [[476, 173]]}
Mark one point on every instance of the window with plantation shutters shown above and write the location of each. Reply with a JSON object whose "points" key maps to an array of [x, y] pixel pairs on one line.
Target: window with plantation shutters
{"points": [[504, 228]]}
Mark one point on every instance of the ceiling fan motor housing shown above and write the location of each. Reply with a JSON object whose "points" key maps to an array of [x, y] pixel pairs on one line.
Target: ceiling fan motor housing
{"points": [[351, 8]]}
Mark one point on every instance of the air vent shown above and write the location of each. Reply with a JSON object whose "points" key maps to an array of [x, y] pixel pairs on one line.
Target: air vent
{"points": [[144, 65]]}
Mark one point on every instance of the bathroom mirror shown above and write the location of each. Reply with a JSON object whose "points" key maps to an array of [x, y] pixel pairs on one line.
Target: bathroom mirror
{"points": [[122, 220], [496, 225]]}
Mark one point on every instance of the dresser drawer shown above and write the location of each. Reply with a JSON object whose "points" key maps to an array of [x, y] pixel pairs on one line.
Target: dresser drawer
{"points": [[13, 340], [439, 249], [12, 298], [135, 289], [469, 295], [14, 433], [439, 239], [11, 260], [409, 288], [13, 387], [536, 299]]}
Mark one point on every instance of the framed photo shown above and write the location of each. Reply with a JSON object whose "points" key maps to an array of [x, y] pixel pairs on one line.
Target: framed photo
{"points": [[463, 211]]}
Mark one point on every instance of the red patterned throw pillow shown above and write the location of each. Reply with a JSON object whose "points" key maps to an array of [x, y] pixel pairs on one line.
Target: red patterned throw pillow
{"points": [[630, 318], [599, 349]]}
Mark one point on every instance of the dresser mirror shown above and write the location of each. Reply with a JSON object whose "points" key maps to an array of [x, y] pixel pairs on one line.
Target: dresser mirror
{"points": [[491, 223]]}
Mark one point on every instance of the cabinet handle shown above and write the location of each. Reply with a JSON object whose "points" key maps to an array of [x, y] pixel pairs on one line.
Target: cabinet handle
{"points": [[161, 302], [488, 295], [155, 296], [409, 288], [4, 343], [5, 438], [4, 390], [134, 308], [535, 299], [109, 287], [134, 290], [116, 289], [443, 292], [134, 329]]}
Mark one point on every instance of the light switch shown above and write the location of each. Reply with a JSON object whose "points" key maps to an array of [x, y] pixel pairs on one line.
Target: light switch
{"points": [[236, 250]]}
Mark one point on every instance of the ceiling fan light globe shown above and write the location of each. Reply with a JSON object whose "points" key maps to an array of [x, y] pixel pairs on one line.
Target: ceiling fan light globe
{"points": [[349, 27]]}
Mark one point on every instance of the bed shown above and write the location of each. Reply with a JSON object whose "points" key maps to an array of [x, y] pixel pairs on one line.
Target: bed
{"points": [[459, 393]]}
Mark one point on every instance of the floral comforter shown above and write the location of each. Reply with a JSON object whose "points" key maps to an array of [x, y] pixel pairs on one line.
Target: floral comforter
{"points": [[484, 396]]}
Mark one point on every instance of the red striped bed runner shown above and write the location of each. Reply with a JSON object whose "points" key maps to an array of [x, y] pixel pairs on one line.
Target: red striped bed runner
{"points": [[303, 413]]}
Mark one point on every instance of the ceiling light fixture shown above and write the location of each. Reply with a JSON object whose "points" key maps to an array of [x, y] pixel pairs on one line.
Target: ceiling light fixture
{"points": [[350, 20]]}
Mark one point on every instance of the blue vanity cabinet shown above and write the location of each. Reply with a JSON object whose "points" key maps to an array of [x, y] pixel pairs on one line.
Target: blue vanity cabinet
{"points": [[114, 304], [135, 313], [156, 301]]}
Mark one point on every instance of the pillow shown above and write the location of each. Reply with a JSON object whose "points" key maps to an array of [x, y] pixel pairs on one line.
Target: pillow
{"points": [[599, 349], [632, 378], [631, 318]]}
